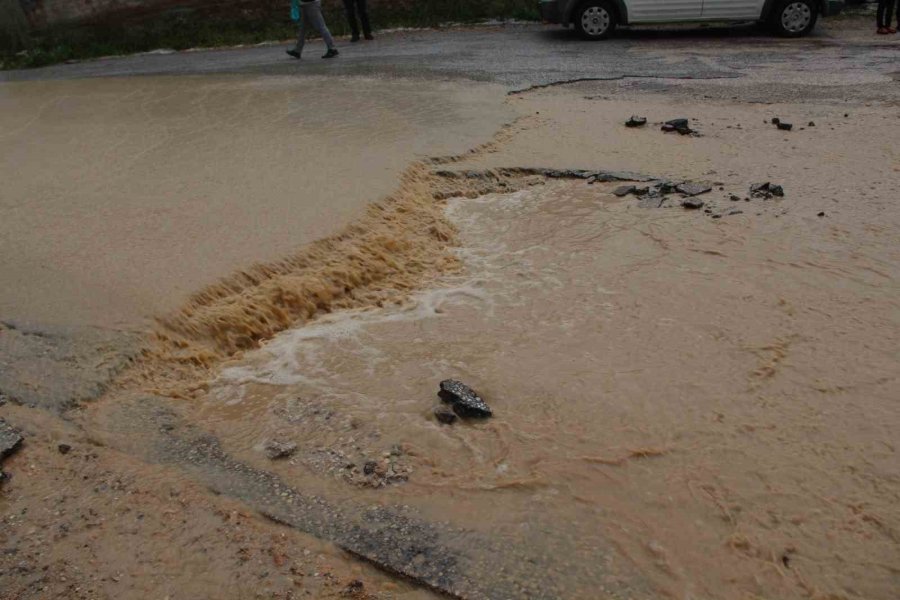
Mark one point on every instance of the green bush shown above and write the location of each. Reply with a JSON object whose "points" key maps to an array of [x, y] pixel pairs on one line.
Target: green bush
{"points": [[13, 26]]}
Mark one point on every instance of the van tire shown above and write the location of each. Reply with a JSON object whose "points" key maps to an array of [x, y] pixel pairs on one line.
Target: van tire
{"points": [[595, 19], [794, 18]]}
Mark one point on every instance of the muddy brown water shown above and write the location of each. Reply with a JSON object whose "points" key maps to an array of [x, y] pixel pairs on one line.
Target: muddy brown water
{"points": [[123, 196], [661, 409], [685, 407]]}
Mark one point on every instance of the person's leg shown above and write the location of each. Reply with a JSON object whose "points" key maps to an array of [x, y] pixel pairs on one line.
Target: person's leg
{"points": [[318, 21], [879, 14], [301, 35], [350, 9], [889, 13], [364, 17]]}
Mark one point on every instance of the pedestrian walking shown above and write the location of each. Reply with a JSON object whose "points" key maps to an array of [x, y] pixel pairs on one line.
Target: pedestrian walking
{"points": [[309, 15], [352, 6], [884, 16]]}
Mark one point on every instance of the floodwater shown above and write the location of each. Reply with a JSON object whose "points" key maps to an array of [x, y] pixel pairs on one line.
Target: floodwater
{"points": [[685, 406], [678, 412], [121, 197]]}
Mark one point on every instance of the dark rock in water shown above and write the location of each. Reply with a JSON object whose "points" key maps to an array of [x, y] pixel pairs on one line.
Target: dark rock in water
{"points": [[775, 120], [811, 124], [636, 121], [465, 402], [624, 190], [692, 203], [444, 415], [766, 190], [370, 467], [356, 588], [606, 176], [682, 126], [675, 124], [690, 188], [10, 439], [64, 448], [735, 212], [785, 126], [665, 187], [568, 173], [641, 191], [276, 449], [822, 214], [734, 197]]}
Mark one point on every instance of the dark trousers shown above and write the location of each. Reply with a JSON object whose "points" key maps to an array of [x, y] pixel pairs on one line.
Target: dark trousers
{"points": [[351, 7], [886, 12]]}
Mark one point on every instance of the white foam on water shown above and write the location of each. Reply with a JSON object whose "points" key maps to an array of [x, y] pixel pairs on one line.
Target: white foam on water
{"points": [[294, 357]]}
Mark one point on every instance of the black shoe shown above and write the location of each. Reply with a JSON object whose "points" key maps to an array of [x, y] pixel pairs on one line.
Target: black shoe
{"points": [[293, 53], [332, 52], [355, 37], [369, 37]]}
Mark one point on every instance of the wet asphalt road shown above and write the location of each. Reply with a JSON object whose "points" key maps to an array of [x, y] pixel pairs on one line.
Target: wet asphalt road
{"points": [[842, 52]]}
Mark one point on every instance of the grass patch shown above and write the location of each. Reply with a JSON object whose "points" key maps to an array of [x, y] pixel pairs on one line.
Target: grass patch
{"points": [[190, 29]]}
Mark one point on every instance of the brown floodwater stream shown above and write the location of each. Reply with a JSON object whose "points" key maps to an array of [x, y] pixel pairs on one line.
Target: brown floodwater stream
{"points": [[677, 410]]}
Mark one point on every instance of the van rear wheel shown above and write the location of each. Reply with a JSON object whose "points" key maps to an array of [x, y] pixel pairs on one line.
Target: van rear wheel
{"points": [[794, 18], [594, 19]]}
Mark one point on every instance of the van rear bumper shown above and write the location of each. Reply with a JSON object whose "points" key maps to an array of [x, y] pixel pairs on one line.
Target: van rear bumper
{"points": [[550, 10]]}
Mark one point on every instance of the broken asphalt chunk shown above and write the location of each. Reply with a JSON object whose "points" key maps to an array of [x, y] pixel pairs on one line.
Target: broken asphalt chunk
{"points": [[665, 187], [682, 126], [692, 203], [636, 121], [463, 399], [766, 190], [276, 449], [10, 439], [689, 188]]}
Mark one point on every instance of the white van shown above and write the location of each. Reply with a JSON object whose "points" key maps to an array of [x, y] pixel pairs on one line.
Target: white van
{"points": [[597, 19]]}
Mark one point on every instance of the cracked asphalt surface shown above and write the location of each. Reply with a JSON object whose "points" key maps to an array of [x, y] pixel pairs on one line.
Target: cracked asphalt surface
{"points": [[841, 52]]}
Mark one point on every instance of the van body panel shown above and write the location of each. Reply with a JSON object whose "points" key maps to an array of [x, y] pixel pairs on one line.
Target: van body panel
{"points": [[726, 10], [654, 11]]}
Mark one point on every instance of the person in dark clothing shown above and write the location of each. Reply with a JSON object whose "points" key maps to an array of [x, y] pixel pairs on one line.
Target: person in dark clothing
{"points": [[351, 6], [884, 15]]}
